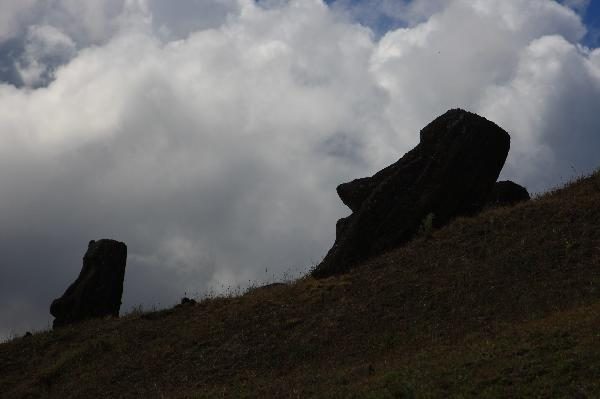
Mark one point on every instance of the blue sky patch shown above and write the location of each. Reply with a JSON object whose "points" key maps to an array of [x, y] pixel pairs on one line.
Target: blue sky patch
{"points": [[592, 21]]}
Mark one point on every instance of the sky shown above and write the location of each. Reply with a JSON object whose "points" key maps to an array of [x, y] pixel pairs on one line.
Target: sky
{"points": [[209, 135]]}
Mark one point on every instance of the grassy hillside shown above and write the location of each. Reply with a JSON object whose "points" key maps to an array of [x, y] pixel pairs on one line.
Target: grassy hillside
{"points": [[505, 304]]}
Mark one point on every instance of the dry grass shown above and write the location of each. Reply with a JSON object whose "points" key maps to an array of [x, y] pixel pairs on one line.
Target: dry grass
{"points": [[505, 304]]}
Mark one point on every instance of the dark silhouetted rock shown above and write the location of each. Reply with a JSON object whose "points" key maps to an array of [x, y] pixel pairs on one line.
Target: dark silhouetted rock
{"points": [[507, 193], [187, 301], [451, 172], [98, 289]]}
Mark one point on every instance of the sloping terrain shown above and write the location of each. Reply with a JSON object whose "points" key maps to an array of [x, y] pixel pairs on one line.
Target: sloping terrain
{"points": [[504, 304]]}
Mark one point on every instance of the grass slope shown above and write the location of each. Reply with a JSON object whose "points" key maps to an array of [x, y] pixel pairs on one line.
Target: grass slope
{"points": [[504, 304]]}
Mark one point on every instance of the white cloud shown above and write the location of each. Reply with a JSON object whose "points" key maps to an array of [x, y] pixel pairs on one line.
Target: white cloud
{"points": [[189, 16], [213, 147], [441, 64], [45, 46], [551, 101]]}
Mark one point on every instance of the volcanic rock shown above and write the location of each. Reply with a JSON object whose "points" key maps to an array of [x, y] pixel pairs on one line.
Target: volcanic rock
{"points": [[98, 289], [451, 172], [187, 301], [507, 193]]}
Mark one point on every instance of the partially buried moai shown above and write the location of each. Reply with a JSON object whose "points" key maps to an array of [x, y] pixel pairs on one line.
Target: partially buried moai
{"points": [[450, 173], [98, 290]]}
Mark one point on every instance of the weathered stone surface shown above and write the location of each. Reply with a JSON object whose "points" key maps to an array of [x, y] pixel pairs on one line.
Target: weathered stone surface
{"points": [[98, 289], [507, 193], [451, 172]]}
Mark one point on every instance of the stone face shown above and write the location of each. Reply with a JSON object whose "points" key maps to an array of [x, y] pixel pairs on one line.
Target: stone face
{"points": [[98, 289], [451, 172], [507, 193]]}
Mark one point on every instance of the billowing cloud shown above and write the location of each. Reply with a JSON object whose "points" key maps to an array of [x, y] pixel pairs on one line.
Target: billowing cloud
{"points": [[517, 63], [45, 47], [210, 135]]}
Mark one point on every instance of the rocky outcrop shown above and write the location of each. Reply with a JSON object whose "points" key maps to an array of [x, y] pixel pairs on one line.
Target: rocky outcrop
{"points": [[98, 289], [451, 172], [506, 193]]}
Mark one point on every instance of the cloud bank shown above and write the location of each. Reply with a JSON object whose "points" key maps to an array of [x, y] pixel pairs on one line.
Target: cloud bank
{"points": [[210, 135]]}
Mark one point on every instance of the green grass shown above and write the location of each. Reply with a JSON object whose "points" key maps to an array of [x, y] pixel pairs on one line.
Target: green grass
{"points": [[503, 304]]}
